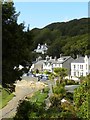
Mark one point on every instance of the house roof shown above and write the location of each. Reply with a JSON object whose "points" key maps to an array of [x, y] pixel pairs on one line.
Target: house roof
{"points": [[59, 60], [62, 59], [39, 62], [79, 60]]}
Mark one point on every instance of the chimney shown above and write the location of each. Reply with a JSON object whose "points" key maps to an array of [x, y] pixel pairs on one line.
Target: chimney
{"points": [[50, 57], [55, 58], [47, 58], [60, 55], [77, 56], [86, 56]]}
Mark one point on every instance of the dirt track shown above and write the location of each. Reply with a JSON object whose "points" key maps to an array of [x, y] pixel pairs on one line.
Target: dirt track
{"points": [[23, 88]]}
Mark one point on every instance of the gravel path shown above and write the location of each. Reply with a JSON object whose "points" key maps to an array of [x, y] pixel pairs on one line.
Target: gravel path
{"points": [[10, 110], [23, 88]]}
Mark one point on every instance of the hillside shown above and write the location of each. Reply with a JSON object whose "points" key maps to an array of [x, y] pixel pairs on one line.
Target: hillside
{"points": [[71, 28], [69, 38]]}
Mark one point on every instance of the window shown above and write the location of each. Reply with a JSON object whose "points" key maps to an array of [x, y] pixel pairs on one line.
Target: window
{"points": [[74, 66], [86, 66], [78, 66], [78, 74], [82, 66], [74, 73], [81, 74]]}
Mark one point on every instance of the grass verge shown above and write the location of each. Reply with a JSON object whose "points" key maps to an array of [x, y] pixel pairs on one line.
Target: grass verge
{"points": [[5, 97]]}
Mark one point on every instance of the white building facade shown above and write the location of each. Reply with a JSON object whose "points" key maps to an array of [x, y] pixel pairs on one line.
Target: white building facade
{"points": [[41, 48], [80, 66], [62, 62]]}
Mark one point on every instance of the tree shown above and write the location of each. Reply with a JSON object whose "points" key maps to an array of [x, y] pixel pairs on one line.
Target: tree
{"points": [[81, 99], [61, 73], [51, 76], [76, 45], [28, 110], [15, 44]]}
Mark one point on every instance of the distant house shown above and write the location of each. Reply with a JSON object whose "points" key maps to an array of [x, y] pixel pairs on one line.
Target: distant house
{"points": [[80, 66], [63, 62], [48, 64], [38, 64], [41, 49]]}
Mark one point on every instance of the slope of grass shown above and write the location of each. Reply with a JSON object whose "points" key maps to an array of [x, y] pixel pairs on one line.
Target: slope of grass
{"points": [[39, 97], [5, 97]]}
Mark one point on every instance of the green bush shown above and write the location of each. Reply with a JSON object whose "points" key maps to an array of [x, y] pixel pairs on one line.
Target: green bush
{"points": [[69, 96], [40, 96]]}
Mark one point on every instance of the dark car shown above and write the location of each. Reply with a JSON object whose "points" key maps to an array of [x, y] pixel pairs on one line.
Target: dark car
{"points": [[44, 77]]}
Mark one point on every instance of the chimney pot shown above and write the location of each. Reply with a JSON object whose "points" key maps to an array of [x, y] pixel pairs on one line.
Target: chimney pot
{"points": [[60, 55], [55, 58]]}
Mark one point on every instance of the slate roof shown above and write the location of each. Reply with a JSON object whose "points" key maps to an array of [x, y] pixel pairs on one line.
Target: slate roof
{"points": [[53, 61], [59, 60], [39, 62], [79, 60]]}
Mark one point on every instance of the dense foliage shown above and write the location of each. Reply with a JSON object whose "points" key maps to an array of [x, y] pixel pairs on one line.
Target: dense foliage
{"points": [[74, 107], [60, 73], [32, 107], [81, 99], [70, 38], [15, 44]]}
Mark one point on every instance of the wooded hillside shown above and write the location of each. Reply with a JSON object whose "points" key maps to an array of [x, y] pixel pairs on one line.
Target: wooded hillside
{"points": [[69, 38]]}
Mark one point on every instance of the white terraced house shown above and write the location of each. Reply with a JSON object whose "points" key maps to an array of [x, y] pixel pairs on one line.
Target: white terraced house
{"points": [[64, 62], [49, 64], [80, 66]]}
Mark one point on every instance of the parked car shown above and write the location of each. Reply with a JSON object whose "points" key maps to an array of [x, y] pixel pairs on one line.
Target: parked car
{"points": [[44, 77], [31, 75], [24, 75], [37, 75]]}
